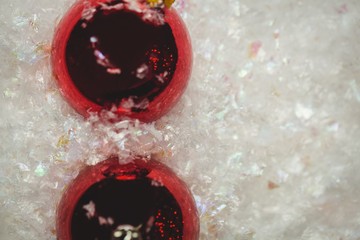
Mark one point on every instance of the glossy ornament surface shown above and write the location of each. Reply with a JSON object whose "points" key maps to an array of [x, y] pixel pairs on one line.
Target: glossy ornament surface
{"points": [[122, 56], [143, 200]]}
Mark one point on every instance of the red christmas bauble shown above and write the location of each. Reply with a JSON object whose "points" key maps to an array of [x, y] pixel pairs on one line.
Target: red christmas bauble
{"points": [[122, 55], [142, 200]]}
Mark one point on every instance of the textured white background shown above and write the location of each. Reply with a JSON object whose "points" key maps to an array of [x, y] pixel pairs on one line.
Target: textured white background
{"points": [[266, 135]]}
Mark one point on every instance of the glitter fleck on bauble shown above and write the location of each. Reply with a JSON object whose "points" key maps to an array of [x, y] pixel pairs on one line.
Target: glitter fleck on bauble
{"points": [[122, 56], [142, 200]]}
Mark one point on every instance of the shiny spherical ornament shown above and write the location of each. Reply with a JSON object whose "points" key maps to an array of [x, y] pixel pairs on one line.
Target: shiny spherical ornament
{"points": [[122, 56], [142, 200]]}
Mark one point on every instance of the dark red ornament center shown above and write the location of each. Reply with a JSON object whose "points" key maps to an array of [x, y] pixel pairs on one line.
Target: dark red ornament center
{"points": [[136, 209], [117, 58]]}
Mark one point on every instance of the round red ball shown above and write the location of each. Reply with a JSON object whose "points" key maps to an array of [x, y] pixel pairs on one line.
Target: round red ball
{"points": [[140, 200], [111, 55]]}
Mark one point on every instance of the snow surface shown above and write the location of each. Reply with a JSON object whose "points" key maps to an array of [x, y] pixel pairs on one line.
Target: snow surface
{"points": [[266, 135]]}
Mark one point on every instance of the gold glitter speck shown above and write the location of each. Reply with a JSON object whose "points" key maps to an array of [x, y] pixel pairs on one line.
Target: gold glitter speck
{"points": [[157, 3], [63, 141]]}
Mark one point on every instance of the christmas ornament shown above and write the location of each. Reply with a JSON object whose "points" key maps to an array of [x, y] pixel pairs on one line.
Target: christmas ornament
{"points": [[133, 58], [142, 200], [122, 55]]}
